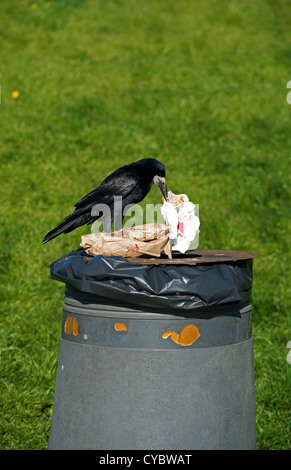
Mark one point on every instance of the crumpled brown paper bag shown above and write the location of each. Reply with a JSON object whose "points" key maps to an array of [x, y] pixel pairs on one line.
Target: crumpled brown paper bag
{"points": [[150, 239]]}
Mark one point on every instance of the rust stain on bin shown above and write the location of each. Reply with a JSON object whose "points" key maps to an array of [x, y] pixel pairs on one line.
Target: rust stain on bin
{"points": [[188, 335], [120, 326], [72, 326]]}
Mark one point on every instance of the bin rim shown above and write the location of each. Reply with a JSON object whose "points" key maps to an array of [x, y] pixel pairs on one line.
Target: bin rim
{"points": [[166, 286]]}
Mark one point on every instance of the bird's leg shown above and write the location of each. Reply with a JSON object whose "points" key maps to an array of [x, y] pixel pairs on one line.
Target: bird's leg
{"points": [[107, 224], [116, 213]]}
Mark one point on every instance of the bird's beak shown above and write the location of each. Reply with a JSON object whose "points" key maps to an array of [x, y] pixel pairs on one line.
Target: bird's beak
{"points": [[164, 190], [160, 182]]}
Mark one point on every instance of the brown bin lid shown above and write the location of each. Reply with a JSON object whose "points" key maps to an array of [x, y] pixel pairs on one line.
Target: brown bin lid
{"points": [[197, 257]]}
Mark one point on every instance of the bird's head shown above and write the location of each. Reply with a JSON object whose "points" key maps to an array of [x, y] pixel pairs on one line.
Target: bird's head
{"points": [[159, 178]]}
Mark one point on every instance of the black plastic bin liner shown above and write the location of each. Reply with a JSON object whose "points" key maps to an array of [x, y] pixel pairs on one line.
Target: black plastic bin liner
{"points": [[168, 287]]}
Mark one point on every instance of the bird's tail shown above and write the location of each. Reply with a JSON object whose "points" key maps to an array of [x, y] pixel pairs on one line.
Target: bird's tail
{"points": [[79, 217]]}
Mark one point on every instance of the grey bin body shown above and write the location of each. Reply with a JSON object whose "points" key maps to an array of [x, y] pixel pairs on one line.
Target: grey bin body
{"points": [[128, 379]]}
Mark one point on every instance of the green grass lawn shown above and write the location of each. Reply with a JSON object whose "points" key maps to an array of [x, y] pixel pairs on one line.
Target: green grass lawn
{"points": [[200, 86]]}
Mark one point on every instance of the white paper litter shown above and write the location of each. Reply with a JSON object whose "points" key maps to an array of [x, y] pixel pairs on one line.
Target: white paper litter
{"points": [[179, 213]]}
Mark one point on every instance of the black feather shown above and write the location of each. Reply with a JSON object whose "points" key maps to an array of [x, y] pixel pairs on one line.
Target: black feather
{"points": [[131, 182]]}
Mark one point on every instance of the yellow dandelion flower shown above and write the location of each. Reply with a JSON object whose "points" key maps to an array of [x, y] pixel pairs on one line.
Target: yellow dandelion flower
{"points": [[34, 6], [47, 4], [15, 94]]}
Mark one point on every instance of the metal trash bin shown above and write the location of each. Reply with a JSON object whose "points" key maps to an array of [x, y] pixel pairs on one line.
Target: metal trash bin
{"points": [[147, 376]]}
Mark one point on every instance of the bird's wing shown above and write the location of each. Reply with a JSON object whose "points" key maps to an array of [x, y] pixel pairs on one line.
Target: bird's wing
{"points": [[117, 184]]}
